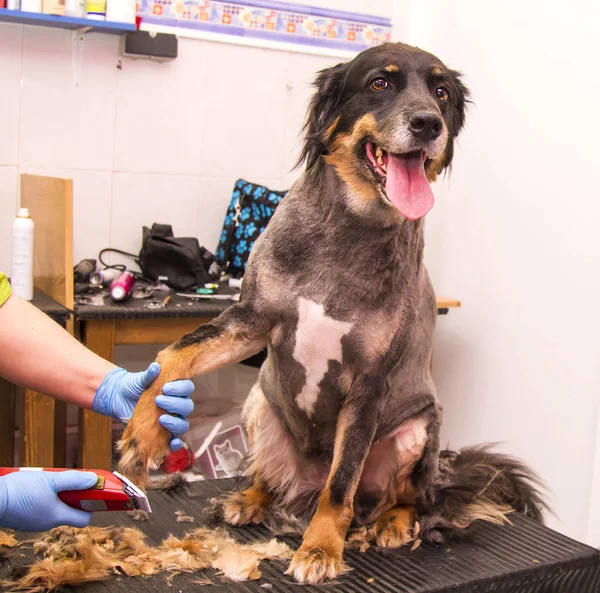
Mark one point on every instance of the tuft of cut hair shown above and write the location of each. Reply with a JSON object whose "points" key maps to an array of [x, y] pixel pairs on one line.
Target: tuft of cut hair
{"points": [[72, 556], [170, 484], [7, 540]]}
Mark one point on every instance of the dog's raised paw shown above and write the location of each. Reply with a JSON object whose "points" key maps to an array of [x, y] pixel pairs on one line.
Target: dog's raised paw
{"points": [[246, 507], [314, 565], [139, 455]]}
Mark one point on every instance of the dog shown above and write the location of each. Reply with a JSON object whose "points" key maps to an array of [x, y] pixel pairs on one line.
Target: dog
{"points": [[345, 414]]}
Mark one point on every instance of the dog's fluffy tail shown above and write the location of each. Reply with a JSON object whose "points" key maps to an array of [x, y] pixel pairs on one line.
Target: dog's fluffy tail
{"points": [[477, 483]]}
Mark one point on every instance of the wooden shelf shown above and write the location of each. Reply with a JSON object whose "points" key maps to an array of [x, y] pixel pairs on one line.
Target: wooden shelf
{"points": [[63, 22], [447, 303]]}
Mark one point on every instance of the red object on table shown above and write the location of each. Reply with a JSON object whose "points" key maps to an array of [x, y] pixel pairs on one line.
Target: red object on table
{"points": [[178, 461]]}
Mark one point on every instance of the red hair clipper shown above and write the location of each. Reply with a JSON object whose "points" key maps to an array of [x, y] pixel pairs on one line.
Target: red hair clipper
{"points": [[112, 492]]}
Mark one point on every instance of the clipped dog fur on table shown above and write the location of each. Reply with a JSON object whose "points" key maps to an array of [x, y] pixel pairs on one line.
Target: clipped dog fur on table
{"points": [[73, 556], [7, 540]]}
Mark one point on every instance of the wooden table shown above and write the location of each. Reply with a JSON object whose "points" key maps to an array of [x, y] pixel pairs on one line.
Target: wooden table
{"points": [[129, 323], [42, 434]]}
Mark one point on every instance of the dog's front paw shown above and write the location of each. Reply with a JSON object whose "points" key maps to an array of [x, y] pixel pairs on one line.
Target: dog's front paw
{"points": [[313, 565], [394, 528], [143, 447], [246, 507]]}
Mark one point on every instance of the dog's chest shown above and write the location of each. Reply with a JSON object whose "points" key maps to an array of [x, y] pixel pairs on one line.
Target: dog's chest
{"points": [[320, 339]]}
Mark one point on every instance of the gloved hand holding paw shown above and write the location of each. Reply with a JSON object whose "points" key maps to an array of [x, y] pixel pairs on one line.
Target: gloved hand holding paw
{"points": [[120, 391]]}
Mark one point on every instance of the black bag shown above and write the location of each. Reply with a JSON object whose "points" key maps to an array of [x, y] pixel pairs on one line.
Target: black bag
{"points": [[182, 260]]}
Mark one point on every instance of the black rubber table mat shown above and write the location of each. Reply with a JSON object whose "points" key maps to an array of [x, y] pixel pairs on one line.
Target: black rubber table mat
{"points": [[524, 557]]}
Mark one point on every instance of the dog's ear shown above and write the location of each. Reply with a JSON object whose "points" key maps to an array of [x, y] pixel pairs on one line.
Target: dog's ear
{"points": [[455, 120], [322, 112], [460, 104]]}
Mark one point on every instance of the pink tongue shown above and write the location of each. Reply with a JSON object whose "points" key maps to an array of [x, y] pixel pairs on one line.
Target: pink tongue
{"points": [[407, 186]]}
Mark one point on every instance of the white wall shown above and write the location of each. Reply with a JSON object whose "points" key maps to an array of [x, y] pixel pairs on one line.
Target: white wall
{"points": [[514, 235], [149, 142]]}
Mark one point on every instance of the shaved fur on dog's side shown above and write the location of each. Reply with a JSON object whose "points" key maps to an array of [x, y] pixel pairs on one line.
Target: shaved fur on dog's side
{"points": [[344, 419]]}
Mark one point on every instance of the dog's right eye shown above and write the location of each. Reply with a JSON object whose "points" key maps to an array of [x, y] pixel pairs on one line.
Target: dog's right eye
{"points": [[379, 84]]}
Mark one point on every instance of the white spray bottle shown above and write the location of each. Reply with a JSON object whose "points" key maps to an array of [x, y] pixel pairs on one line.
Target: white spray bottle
{"points": [[21, 279]]}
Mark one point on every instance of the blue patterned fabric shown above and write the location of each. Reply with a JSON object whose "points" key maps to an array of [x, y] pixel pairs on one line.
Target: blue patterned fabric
{"points": [[255, 204]]}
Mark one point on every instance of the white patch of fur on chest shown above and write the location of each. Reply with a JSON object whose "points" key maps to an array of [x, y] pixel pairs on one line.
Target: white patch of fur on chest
{"points": [[318, 340]]}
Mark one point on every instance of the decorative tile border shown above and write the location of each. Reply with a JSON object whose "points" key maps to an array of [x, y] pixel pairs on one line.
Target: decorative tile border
{"points": [[267, 21]]}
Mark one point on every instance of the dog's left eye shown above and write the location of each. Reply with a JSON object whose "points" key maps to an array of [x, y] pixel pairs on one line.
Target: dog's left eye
{"points": [[379, 84], [442, 93]]}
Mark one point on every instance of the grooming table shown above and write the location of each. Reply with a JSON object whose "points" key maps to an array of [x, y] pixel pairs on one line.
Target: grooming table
{"points": [[520, 558]]}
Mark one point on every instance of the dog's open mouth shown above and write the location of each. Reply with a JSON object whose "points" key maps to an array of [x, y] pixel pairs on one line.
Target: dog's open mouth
{"points": [[403, 179]]}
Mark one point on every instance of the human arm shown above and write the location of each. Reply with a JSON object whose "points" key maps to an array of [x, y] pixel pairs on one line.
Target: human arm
{"points": [[37, 353]]}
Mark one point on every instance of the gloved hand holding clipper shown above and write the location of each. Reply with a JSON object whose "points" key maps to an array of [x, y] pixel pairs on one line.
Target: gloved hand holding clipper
{"points": [[37, 353], [29, 499]]}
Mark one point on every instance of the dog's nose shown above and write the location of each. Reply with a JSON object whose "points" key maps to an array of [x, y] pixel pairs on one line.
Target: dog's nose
{"points": [[426, 126]]}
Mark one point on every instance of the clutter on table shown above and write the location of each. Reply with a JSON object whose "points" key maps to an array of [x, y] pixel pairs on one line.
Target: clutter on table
{"points": [[170, 266]]}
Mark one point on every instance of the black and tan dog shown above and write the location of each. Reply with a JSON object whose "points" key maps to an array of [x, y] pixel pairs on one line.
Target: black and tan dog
{"points": [[345, 410]]}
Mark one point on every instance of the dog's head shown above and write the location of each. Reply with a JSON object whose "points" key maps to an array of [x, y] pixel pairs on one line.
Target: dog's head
{"points": [[387, 121]]}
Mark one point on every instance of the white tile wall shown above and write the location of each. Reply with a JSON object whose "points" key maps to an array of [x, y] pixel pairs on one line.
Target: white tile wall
{"points": [[160, 113], [299, 75], [143, 198], [144, 141], [8, 210], [216, 194], [64, 124], [244, 97], [11, 40], [92, 191]]}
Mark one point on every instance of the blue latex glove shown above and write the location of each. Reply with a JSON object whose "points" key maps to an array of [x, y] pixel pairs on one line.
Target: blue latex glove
{"points": [[29, 501], [120, 391]]}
